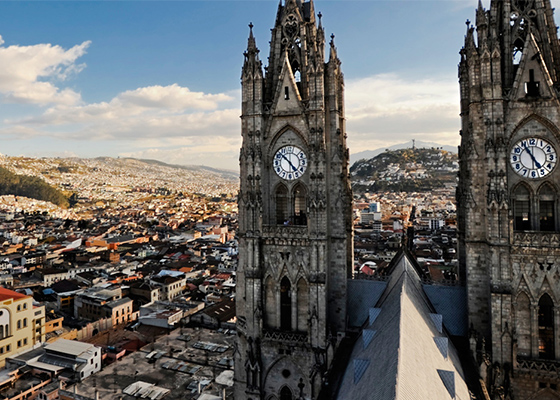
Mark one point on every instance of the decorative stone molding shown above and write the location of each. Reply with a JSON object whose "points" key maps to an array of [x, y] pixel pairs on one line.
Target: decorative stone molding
{"points": [[537, 239], [287, 337]]}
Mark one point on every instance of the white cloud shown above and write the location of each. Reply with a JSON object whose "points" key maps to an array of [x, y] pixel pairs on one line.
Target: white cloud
{"points": [[28, 71], [386, 109], [171, 97]]}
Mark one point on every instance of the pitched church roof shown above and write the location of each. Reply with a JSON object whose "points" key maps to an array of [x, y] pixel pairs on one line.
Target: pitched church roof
{"points": [[403, 351]]}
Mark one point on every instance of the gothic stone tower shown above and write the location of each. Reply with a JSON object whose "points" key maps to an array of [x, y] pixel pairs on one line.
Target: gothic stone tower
{"points": [[508, 195], [295, 232]]}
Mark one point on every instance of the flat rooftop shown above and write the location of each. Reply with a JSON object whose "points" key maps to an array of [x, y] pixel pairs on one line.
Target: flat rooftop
{"points": [[72, 347]]}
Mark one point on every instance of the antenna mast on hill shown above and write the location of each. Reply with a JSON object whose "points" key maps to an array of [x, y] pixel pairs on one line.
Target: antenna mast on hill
{"points": [[413, 144]]}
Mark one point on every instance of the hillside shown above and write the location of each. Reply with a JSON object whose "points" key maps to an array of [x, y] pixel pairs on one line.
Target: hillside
{"points": [[120, 179], [405, 170], [30, 186], [369, 154]]}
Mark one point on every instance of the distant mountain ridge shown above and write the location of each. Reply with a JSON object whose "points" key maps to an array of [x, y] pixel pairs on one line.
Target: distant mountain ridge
{"points": [[419, 144], [223, 172]]}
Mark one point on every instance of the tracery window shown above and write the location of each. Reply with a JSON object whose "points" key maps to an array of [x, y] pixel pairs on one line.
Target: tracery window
{"points": [[521, 209], [546, 327], [286, 394], [547, 208], [281, 197], [300, 205], [285, 304]]}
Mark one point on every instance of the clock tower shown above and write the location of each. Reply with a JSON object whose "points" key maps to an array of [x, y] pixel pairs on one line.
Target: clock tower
{"points": [[508, 196], [295, 214]]}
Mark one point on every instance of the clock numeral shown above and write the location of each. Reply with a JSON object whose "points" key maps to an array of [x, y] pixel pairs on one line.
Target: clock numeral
{"points": [[543, 172], [524, 172], [532, 142], [517, 166], [551, 157], [533, 174], [548, 148], [514, 158], [517, 150], [301, 169], [296, 174]]}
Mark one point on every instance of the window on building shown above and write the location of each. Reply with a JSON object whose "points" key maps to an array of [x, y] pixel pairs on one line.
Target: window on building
{"points": [[300, 205], [546, 209], [285, 304], [546, 327], [19, 324], [521, 209], [8, 348], [25, 322], [286, 394], [19, 343], [25, 306], [281, 197], [25, 341], [19, 307]]}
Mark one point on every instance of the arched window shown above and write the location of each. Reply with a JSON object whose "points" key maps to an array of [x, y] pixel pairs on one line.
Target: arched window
{"points": [[270, 304], [286, 393], [521, 209], [302, 305], [19, 324], [546, 327], [546, 208], [285, 304], [300, 205], [281, 197], [523, 325]]}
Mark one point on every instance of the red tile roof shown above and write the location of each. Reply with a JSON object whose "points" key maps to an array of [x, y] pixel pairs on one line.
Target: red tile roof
{"points": [[6, 294]]}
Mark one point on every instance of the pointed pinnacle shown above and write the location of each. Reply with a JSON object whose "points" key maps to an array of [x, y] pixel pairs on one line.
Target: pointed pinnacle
{"points": [[320, 16]]}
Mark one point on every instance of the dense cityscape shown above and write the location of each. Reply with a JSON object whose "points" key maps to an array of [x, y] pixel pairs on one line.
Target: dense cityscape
{"points": [[141, 271]]}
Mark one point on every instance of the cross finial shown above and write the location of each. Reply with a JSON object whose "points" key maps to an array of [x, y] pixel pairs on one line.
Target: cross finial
{"points": [[332, 36], [468, 22], [250, 25], [320, 15]]}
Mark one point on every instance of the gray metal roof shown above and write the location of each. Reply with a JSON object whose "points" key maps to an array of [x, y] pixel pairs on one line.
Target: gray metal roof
{"points": [[70, 347], [401, 355]]}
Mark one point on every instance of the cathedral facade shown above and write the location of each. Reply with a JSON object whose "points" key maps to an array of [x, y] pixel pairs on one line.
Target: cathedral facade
{"points": [[295, 227], [508, 196]]}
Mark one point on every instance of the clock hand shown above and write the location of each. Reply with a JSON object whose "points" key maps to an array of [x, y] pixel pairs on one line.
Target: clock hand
{"points": [[532, 156], [289, 162]]}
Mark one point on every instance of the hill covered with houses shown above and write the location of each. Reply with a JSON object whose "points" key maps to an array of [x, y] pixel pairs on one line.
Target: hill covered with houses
{"points": [[405, 170]]}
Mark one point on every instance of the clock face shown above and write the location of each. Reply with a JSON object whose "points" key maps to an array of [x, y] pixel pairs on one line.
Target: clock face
{"points": [[533, 158], [290, 162]]}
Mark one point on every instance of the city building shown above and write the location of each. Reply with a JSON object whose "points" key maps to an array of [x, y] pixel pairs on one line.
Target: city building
{"points": [[295, 211], [508, 207], [22, 325]]}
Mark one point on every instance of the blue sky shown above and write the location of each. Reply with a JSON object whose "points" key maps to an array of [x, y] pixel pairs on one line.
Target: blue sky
{"points": [[161, 79]]}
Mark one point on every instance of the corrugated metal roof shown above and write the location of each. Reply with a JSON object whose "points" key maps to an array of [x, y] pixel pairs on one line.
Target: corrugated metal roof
{"points": [[72, 347]]}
